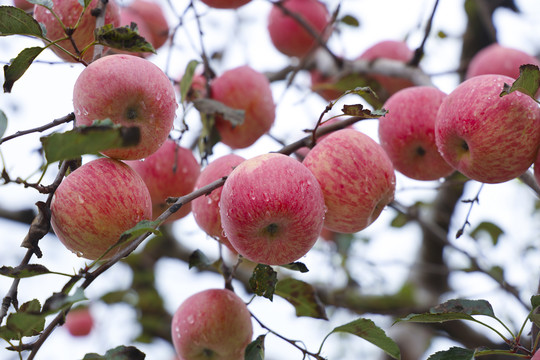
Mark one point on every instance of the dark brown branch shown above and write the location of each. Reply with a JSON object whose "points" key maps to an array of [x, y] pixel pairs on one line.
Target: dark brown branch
{"points": [[419, 52], [56, 122]]}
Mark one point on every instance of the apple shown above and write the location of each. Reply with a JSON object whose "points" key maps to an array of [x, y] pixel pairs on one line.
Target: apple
{"points": [[393, 50], [171, 171], [536, 355], [69, 11], [95, 204], [407, 133], [154, 19], [486, 137], [79, 321], [23, 4], [197, 90], [331, 87], [272, 209], [128, 16], [245, 89], [206, 208], [212, 324], [356, 177], [498, 59], [131, 91], [225, 4], [289, 36]]}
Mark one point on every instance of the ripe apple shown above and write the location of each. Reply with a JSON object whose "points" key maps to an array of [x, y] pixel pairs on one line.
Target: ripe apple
{"points": [[407, 133], [69, 12], [96, 203], [393, 50], [206, 208], [225, 4], [212, 324], [23, 4], [536, 355], [498, 59], [245, 89], [79, 321], [488, 138], [288, 35], [272, 209], [154, 19], [356, 176], [128, 16], [131, 91], [171, 171]]}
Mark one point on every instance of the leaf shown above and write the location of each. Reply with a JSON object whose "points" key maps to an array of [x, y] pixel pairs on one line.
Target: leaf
{"points": [[209, 106], [3, 123], [209, 135], [88, 140], [302, 296], [119, 296], [359, 111], [19, 65], [85, 3], [28, 270], [367, 330], [124, 38], [255, 350], [45, 3], [118, 353], [454, 353], [528, 82], [493, 230], [199, 260], [350, 20], [187, 79], [460, 309], [535, 301], [15, 21], [141, 228], [59, 301], [28, 321], [400, 220], [263, 281], [296, 266], [535, 318]]}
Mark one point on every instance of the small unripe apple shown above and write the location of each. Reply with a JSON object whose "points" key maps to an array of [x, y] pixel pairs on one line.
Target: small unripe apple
{"points": [[154, 19], [488, 138], [69, 12], [95, 204], [272, 209], [79, 322], [245, 89], [171, 171], [356, 176], [225, 4], [212, 324], [130, 91], [407, 133]]}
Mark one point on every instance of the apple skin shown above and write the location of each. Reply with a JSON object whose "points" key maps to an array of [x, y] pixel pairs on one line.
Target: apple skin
{"points": [[79, 322], [137, 93], [95, 204], [206, 208], [171, 171], [536, 355], [356, 176], [393, 50], [69, 12], [127, 16], [154, 18], [245, 89], [291, 38], [212, 324], [225, 4], [486, 137], [407, 133], [23, 4], [272, 209]]}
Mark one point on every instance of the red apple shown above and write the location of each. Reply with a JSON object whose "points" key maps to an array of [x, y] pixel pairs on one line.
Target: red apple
{"points": [[393, 50], [272, 209], [154, 18], [488, 138], [171, 171], [79, 322], [137, 93], [356, 176], [212, 324], [245, 89], [225, 4], [288, 35], [128, 16], [23, 4], [206, 208], [407, 133], [197, 90], [69, 12], [536, 355], [96, 203]]}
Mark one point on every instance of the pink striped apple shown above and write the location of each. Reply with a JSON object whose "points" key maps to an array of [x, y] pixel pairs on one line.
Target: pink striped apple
{"points": [[272, 209], [95, 204], [151, 13], [498, 59], [225, 4]]}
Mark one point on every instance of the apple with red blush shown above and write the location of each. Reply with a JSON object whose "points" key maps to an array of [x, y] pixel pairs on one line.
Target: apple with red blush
{"points": [[79, 321], [152, 15], [225, 4]]}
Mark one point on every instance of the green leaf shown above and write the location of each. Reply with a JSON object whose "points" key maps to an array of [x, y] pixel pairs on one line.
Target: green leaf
{"points": [[209, 106], [255, 350], [296, 266], [350, 20], [535, 318], [187, 79], [45, 3], [3, 123], [367, 330], [459, 309], [24, 271], [88, 140], [399, 220], [209, 135], [263, 281], [15, 21], [142, 227], [19, 65], [493, 230], [199, 260], [125, 38], [535, 301], [454, 353], [118, 353], [528, 82], [28, 321], [302, 296], [60, 301], [114, 297]]}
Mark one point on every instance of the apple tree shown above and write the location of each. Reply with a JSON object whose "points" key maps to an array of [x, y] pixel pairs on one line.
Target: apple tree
{"points": [[250, 179]]}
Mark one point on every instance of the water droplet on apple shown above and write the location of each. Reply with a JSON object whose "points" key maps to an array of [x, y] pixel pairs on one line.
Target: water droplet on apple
{"points": [[79, 254], [209, 200], [190, 320]]}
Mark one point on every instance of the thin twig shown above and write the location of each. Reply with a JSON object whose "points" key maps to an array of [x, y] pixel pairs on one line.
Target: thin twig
{"points": [[56, 122]]}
